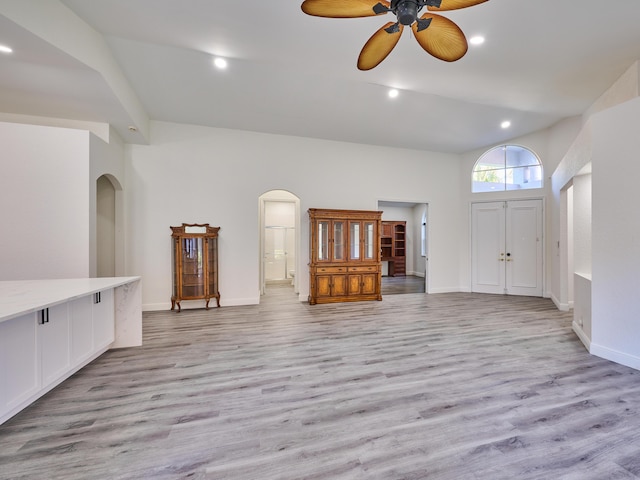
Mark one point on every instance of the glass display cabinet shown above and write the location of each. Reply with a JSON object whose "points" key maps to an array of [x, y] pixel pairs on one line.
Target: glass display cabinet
{"points": [[344, 264], [195, 263]]}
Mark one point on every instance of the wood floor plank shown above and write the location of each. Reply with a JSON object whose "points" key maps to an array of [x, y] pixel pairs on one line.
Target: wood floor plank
{"points": [[446, 386]]}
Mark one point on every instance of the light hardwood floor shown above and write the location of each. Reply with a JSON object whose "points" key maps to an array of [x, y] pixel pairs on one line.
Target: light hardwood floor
{"points": [[445, 386], [402, 284]]}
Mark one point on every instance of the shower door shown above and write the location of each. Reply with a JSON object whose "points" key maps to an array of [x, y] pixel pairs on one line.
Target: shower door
{"points": [[278, 253]]}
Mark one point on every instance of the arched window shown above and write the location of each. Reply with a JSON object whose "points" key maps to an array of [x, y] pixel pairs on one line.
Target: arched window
{"points": [[507, 167]]}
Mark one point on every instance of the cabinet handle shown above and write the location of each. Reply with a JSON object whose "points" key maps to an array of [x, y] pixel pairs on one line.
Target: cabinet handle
{"points": [[44, 316], [97, 298]]}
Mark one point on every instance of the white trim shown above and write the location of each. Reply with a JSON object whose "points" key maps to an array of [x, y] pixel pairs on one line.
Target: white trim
{"points": [[615, 356], [581, 335]]}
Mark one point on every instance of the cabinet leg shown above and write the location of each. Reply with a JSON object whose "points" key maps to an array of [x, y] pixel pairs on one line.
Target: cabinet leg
{"points": [[173, 304], [179, 308], [218, 300], [206, 305]]}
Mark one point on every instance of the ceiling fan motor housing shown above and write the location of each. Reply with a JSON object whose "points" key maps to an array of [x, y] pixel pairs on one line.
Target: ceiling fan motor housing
{"points": [[407, 11]]}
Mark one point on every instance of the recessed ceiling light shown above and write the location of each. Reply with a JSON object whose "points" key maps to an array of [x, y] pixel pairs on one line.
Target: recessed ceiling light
{"points": [[5, 49], [477, 40], [393, 93], [221, 63], [505, 124]]}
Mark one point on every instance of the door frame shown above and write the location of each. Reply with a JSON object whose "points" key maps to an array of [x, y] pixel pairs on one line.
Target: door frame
{"points": [[417, 247]]}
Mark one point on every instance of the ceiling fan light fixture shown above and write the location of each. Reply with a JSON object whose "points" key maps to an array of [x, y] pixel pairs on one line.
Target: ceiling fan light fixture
{"points": [[393, 93], [506, 124], [220, 63], [477, 40]]}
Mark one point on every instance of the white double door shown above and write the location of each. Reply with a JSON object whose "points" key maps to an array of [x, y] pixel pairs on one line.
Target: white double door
{"points": [[506, 247]]}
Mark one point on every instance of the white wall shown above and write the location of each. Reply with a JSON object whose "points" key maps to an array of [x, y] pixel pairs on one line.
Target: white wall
{"points": [[44, 193], [582, 234], [107, 159], [616, 234], [208, 175]]}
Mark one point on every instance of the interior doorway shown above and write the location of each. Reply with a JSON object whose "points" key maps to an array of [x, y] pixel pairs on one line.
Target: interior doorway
{"points": [[416, 218], [279, 239], [105, 227]]}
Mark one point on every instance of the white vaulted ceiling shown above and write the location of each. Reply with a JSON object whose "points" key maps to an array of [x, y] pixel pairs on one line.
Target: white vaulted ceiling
{"points": [[123, 62]]}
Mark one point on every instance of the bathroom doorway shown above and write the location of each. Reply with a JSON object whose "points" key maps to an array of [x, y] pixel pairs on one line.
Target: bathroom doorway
{"points": [[279, 218]]}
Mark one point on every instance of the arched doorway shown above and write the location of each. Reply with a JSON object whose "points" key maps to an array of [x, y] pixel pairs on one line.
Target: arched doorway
{"points": [[107, 189], [279, 239]]}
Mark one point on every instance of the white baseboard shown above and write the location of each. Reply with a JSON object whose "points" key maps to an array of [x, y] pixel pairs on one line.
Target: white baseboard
{"points": [[448, 290], [613, 355], [586, 341], [563, 307], [194, 304]]}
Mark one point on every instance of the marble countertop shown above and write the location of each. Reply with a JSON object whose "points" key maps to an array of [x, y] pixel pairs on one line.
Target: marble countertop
{"points": [[20, 297]]}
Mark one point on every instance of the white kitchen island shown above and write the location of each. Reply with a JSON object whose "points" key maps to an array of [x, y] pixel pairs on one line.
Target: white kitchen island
{"points": [[49, 329]]}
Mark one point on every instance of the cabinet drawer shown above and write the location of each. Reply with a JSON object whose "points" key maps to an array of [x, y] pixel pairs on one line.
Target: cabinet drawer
{"points": [[370, 268], [331, 270]]}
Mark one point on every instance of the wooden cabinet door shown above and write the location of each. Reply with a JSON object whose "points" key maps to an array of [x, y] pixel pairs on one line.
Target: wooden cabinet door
{"points": [[355, 284], [339, 285], [330, 242], [369, 283], [364, 244], [355, 241], [323, 285]]}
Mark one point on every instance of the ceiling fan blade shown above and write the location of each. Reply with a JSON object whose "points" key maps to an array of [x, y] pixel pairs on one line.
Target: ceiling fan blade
{"points": [[379, 46], [345, 8], [455, 4], [440, 37]]}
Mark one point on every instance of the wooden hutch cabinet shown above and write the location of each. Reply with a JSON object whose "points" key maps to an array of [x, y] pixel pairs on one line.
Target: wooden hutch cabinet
{"points": [[195, 263], [344, 251], [393, 245]]}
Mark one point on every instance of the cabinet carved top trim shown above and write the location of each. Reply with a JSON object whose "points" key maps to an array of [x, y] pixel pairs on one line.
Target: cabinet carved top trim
{"points": [[195, 229], [350, 214]]}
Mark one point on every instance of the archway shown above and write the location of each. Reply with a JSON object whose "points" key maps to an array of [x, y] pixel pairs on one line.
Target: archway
{"points": [[107, 189]]}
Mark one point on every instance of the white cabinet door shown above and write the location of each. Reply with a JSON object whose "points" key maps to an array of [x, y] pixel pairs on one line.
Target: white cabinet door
{"points": [[103, 319], [81, 324], [55, 337], [19, 361]]}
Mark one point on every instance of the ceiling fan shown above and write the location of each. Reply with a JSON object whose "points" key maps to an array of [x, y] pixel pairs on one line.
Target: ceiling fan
{"points": [[438, 35]]}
